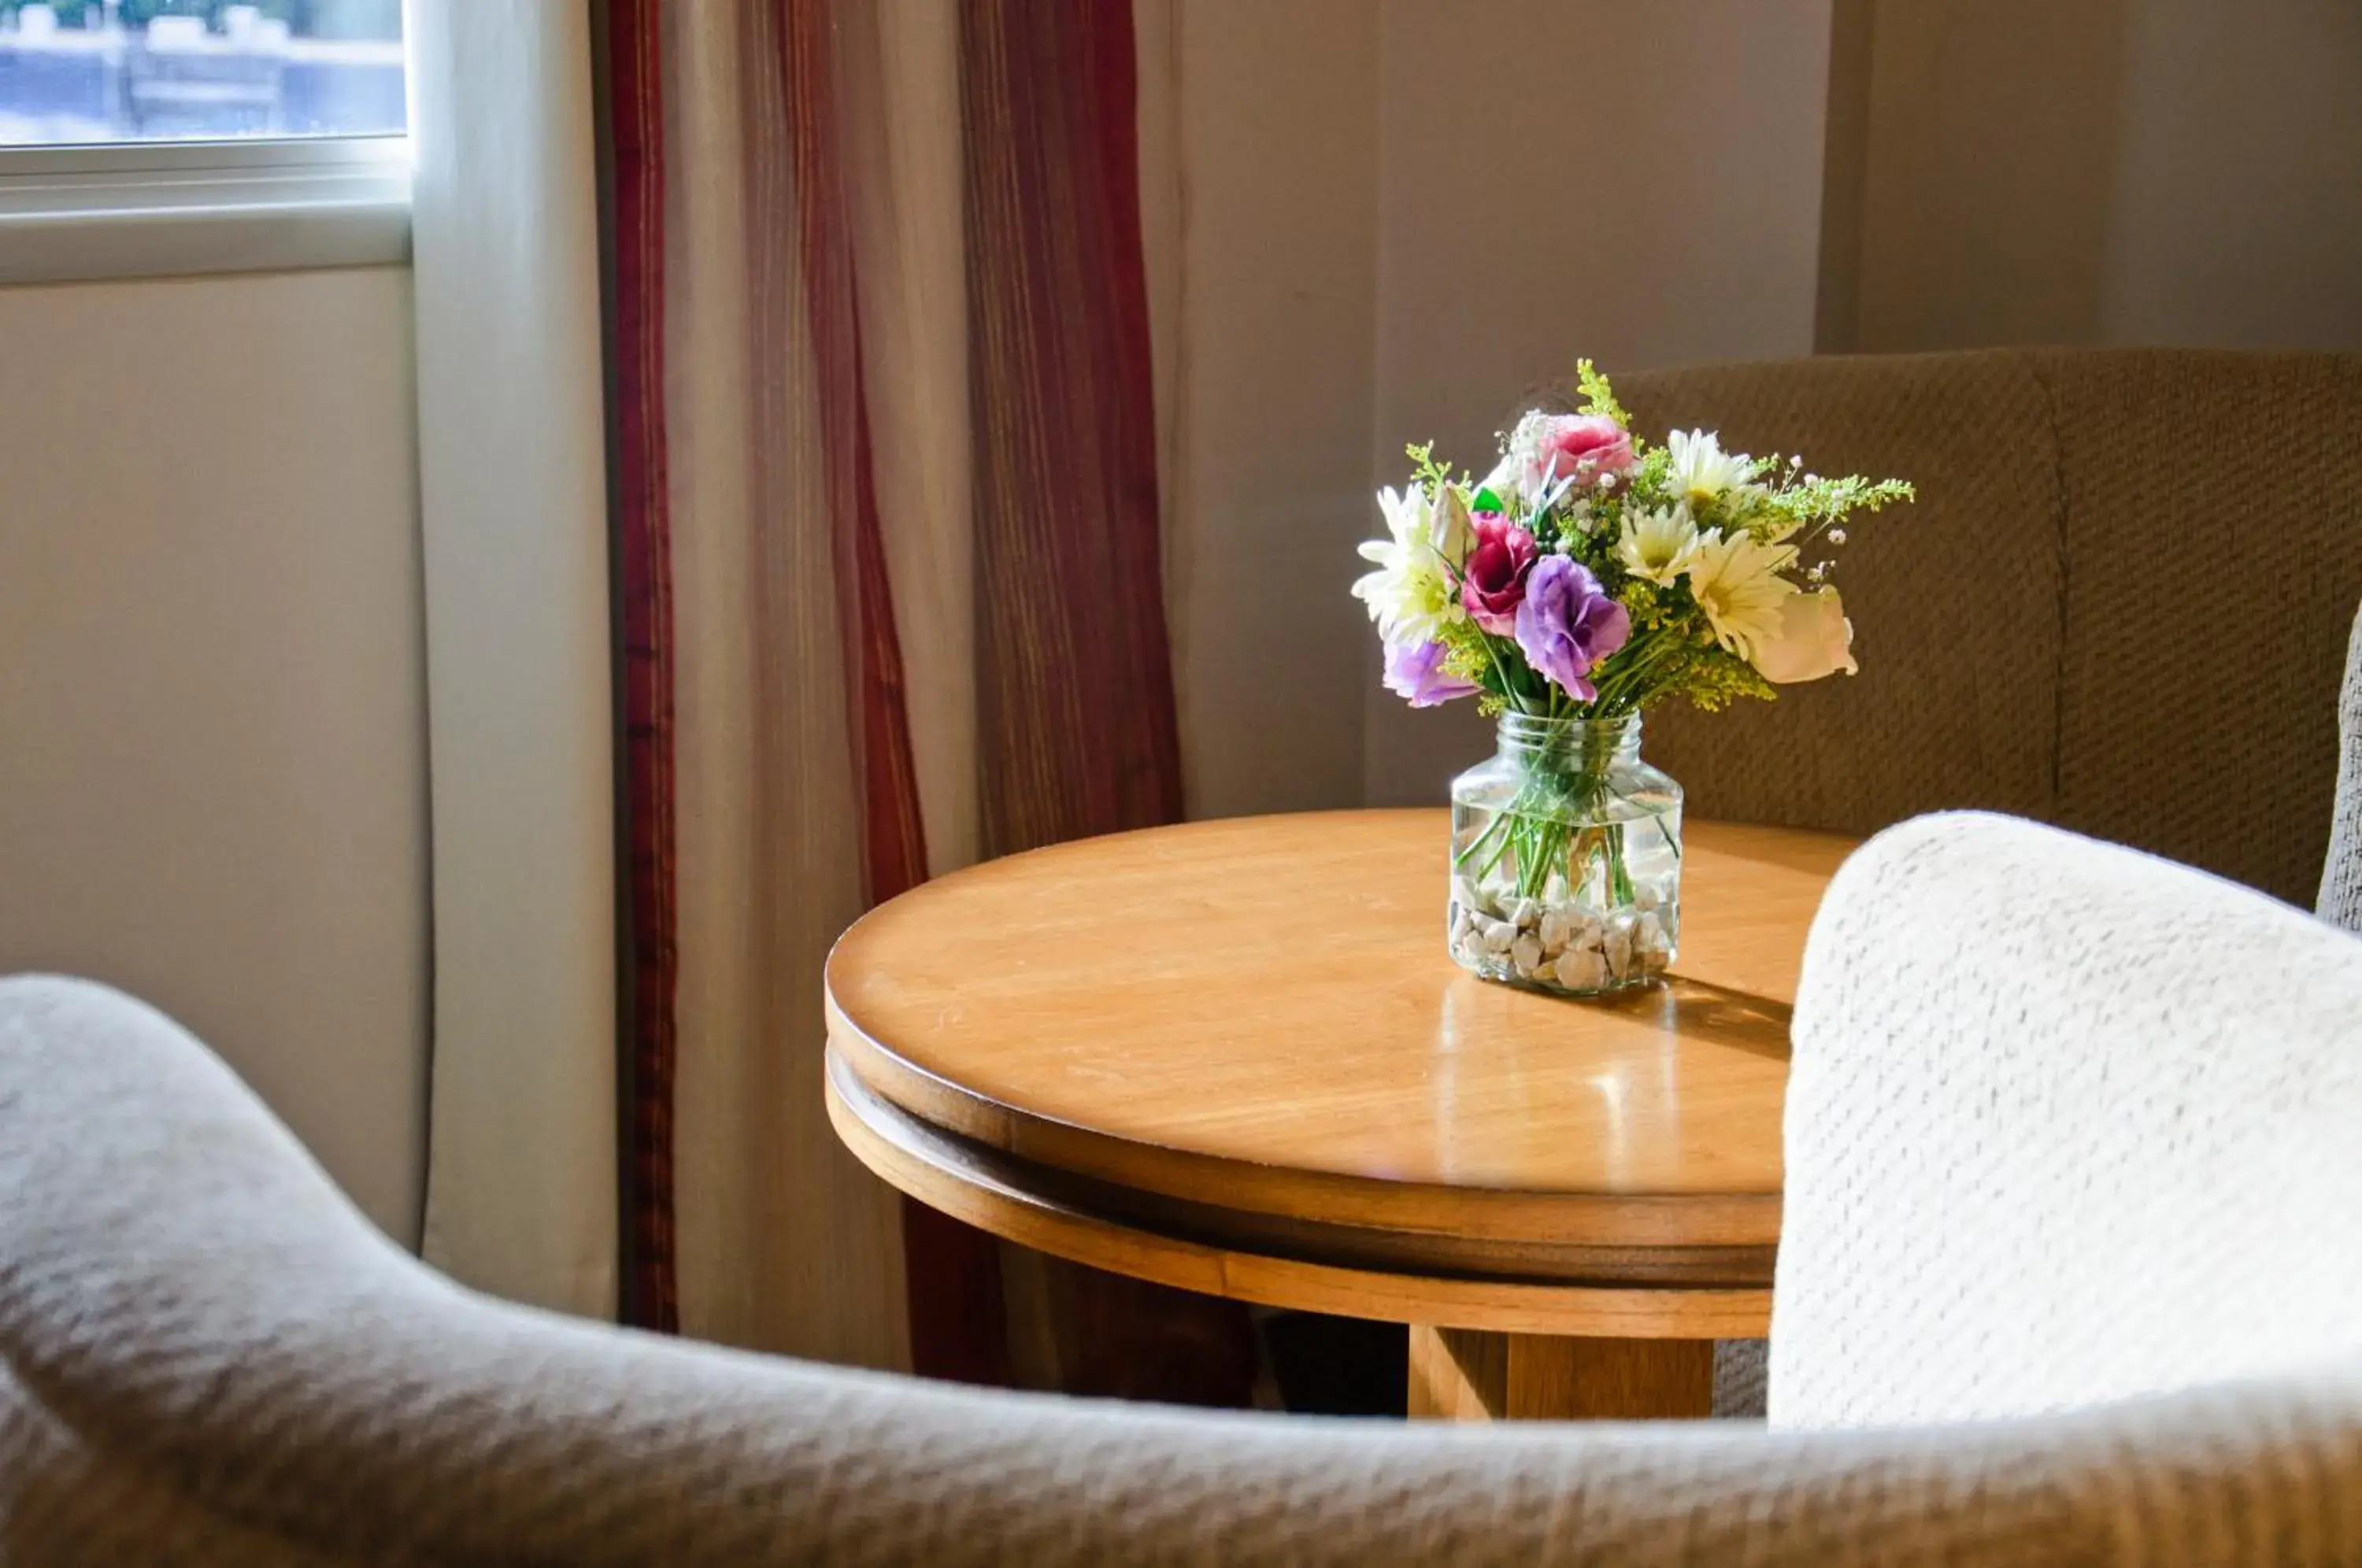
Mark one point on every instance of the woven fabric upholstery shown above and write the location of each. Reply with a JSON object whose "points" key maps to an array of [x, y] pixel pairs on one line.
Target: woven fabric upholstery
{"points": [[1955, 598], [2119, 603], [2068, 1123], [210, 1359], [2214, 562], [2341, 873]]}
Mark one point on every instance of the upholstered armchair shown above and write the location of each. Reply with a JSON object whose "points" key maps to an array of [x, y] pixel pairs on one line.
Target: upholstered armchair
{"points": [[2119, 603], [2074, 1244]]}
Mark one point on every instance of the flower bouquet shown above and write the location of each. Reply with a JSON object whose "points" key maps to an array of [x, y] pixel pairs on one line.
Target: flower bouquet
{"points": [[1586, 577]]}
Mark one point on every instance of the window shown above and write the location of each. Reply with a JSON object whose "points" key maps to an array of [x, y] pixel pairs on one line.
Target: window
{"points": [[92, 71], [142, 137]]}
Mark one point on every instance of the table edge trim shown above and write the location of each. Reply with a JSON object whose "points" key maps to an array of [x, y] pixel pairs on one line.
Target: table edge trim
{"points": [[919, 1160], [1601, 1218]]}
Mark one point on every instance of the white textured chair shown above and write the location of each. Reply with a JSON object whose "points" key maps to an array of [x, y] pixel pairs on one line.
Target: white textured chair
{"points": [[2341, 874], [2067, 1124], [2082, 1119]]}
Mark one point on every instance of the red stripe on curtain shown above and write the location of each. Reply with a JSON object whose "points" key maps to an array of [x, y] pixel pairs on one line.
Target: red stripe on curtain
{"points": [[958, 1320], [635, 198], [1074, 683], [1076, 712], [894, 854]]}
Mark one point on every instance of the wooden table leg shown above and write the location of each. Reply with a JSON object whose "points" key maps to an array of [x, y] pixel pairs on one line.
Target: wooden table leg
{"points": [[1470, 1375]]}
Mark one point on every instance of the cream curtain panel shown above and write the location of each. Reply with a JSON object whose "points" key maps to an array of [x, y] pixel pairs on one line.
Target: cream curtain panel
{"points": [[784, 1243]]}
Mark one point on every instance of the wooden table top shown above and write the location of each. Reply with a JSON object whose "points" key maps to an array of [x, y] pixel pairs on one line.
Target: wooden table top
{"points": [[1247, 1032]]}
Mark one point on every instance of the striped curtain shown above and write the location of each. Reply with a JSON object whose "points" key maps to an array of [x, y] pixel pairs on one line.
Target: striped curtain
{"points": [[887, 549]]}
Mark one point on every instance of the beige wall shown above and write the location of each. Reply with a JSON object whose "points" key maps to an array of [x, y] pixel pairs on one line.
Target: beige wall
{"points": [[1264, 184], [2238, 209], [1391, 221], [212, 704], [2167, 171], [1669, 214]]}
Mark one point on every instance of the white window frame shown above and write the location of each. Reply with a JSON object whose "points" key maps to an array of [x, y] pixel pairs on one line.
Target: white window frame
{"points": [[143, 209]]}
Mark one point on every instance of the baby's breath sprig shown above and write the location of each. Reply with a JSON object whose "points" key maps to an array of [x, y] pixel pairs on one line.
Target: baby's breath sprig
{"points": [[1813, 504]]}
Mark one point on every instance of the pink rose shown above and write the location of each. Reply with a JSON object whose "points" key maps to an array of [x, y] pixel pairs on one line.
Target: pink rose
{"points": [[1583, 445], [1493, 580]]}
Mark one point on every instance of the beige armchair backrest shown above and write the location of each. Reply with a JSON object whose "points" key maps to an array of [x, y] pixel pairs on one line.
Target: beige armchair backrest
{"points": [[2120, 603]]}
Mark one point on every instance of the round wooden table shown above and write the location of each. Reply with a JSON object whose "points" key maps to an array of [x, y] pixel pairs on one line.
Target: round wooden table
{"points": [[1232, 1056]]}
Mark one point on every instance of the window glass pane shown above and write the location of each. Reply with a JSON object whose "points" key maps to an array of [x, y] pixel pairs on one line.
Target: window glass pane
{"points": [[77, 71]]}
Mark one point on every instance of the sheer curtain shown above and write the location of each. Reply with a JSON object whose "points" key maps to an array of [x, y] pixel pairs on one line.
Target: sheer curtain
{"points": [[515, 513]]}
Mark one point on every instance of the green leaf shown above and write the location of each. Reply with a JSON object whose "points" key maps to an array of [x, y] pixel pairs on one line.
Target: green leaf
{"points": [[1485, 501]]}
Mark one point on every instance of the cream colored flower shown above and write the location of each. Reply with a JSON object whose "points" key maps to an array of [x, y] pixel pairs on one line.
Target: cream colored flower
{"points": [[1657, 542], [1454, 533], [1736, 578], [1410, 594], [1814, 639], [1701, 468]]}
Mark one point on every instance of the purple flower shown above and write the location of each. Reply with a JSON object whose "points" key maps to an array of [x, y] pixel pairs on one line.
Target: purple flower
{"points": [[1415, 672], [1567, 623]]}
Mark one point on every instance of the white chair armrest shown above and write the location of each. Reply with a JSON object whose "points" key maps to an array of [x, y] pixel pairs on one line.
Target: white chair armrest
{"points": [[2340, 902], [2067, 1123]]}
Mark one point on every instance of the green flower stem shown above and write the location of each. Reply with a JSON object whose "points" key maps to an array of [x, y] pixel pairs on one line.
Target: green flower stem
{"points": [[1624, 688], [1496, 826], [1559, 788]]}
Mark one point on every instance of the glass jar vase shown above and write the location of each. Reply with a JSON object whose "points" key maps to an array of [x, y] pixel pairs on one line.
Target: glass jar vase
{"points": [[1566, 859]]}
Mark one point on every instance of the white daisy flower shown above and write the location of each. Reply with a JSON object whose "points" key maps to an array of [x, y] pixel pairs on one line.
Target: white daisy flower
{"points": [[1701, 468], [1657, 542], [1736, 578], [1410, 594]]}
